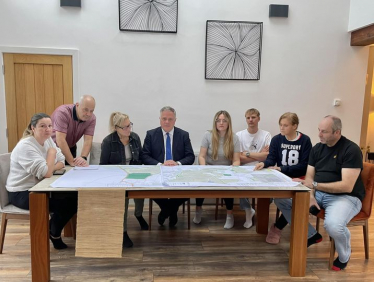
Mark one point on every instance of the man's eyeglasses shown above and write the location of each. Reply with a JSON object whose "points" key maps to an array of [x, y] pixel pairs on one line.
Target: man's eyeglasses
{"points": [[126, 127]]}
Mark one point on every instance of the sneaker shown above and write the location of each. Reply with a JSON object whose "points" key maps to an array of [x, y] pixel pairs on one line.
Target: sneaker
{"points": [[249, 214], [274, 235], [229, 221], [197, 218], [337, 265]]}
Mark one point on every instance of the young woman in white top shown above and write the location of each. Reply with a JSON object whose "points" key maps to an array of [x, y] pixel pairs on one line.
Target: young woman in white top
{"points": [[35, 157], [219, 147]]}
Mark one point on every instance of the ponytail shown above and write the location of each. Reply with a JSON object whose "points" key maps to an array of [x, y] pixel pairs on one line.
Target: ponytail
{"points": [[33, 122]]}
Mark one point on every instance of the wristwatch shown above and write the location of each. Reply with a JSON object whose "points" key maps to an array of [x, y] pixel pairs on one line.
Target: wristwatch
{"points": [[247, 154], [314, 183]]}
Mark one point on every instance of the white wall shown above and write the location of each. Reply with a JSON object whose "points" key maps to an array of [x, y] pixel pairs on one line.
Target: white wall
{"points": [[307, 61], [361, 14]]}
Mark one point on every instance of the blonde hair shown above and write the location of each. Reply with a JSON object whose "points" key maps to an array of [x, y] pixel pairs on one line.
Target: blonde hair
{"points": [[292, 117], [33, 122], [228, 143], [116, 118], [251, 112]]}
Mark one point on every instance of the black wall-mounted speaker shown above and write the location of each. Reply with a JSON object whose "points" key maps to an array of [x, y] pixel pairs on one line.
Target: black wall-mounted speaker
{"points": [[70, 3], [276, 10]]}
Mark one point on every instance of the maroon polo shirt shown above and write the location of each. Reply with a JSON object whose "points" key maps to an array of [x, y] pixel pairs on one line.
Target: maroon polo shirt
{"points": [[65, 120]]}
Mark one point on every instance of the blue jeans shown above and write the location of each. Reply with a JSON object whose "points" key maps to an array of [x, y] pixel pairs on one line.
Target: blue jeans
{"points": [[245, 204], [339, 210]]}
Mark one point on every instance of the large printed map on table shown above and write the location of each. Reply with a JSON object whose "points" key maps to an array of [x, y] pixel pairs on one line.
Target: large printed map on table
{"points": [[242, 176], [176, 176]]}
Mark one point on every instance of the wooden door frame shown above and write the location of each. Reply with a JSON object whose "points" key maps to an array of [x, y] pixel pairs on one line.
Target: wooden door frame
{"points": [[29, 50], [367, 101]]}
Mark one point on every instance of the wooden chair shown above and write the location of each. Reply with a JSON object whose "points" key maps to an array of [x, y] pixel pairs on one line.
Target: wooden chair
{"points": [[183, 211], [362, 218], [8, 210]]}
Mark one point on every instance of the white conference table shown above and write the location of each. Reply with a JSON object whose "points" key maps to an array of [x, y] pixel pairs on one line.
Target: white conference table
{"points": [[39, 216]]}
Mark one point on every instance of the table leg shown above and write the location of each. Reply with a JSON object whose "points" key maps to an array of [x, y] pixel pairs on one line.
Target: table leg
{"points": [[262, 211], [299, 234], [39, 234]]}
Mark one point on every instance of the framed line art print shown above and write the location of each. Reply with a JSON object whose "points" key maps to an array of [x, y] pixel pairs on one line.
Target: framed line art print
{"points": [[233, 50], [148, 15]]}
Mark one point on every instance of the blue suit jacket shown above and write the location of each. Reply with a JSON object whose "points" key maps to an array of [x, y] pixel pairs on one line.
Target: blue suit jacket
{"points": [[154, 148]]}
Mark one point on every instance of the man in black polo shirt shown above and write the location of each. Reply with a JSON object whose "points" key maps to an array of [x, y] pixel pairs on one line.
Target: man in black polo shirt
{"points": [[333, 174]]}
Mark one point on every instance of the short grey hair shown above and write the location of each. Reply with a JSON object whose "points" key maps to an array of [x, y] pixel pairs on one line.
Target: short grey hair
{"points": [[85, 98], [168, 108], [336, 123]]}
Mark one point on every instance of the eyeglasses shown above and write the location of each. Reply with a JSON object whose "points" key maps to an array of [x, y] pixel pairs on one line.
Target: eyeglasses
{"points": [[126, 127], [221, 121]]}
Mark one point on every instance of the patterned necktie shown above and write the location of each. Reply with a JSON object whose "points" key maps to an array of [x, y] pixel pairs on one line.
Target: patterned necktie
{"points": [[168, 147]]}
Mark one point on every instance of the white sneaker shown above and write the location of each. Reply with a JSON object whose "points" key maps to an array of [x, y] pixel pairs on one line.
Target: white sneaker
{"points": [[229, 221], [197, 218], [249, 214]]}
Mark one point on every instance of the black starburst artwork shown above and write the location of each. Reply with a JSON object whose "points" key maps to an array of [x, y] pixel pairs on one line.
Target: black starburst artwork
{"points": [[148, 15], [233, 50]]}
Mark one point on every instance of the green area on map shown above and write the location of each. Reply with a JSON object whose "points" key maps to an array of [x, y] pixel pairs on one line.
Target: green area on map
{"points": [[138, 175]]}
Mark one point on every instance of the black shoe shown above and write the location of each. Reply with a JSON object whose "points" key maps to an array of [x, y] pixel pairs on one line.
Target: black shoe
{"points": [[126, 243], [173, 219], [142, 222], [337, 265], [161, 218], [58, 244], [317, 238]]}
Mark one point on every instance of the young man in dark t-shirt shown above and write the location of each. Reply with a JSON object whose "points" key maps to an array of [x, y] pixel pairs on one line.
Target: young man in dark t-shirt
{"points": [[333, 174]]}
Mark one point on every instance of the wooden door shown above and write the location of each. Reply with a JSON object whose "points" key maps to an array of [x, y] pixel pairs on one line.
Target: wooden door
{"points": [[34, 84]]}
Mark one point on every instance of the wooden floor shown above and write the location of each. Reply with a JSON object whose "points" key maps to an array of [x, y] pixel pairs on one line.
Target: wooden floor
{"points": [[205, 253]]}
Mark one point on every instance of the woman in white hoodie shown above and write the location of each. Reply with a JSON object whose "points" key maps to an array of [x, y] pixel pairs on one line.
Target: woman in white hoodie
{"points": [[35, 157]]}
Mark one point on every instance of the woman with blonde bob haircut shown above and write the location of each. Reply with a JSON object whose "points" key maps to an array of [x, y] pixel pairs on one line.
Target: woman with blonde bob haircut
{"points": [[219, 147], [123, 147]]}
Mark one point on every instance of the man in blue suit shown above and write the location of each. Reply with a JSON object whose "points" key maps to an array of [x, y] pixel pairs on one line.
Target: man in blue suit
{"points": [[170, 146]]}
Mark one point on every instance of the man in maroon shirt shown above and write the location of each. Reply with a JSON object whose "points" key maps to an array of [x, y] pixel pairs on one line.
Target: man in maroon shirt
{"points": [[70, 123]]}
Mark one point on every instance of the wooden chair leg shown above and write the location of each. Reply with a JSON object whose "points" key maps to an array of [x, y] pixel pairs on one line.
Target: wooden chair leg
{"points": [[68, 229], [4, 222], [216, 213], [183, 207], [332, 252], [189, 213], [73, 223], [277, 215], [365, 229], [150, 215], [221, 202], [317, 224], [254, 203]]}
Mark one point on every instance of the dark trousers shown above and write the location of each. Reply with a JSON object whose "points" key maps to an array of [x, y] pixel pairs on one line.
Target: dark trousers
{"points": [[62, 208], [169, 206], [229, 202], [73, 151]]}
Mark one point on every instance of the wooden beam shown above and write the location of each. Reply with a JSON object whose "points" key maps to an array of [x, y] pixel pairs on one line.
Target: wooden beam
{"points": [[363, 36]]}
